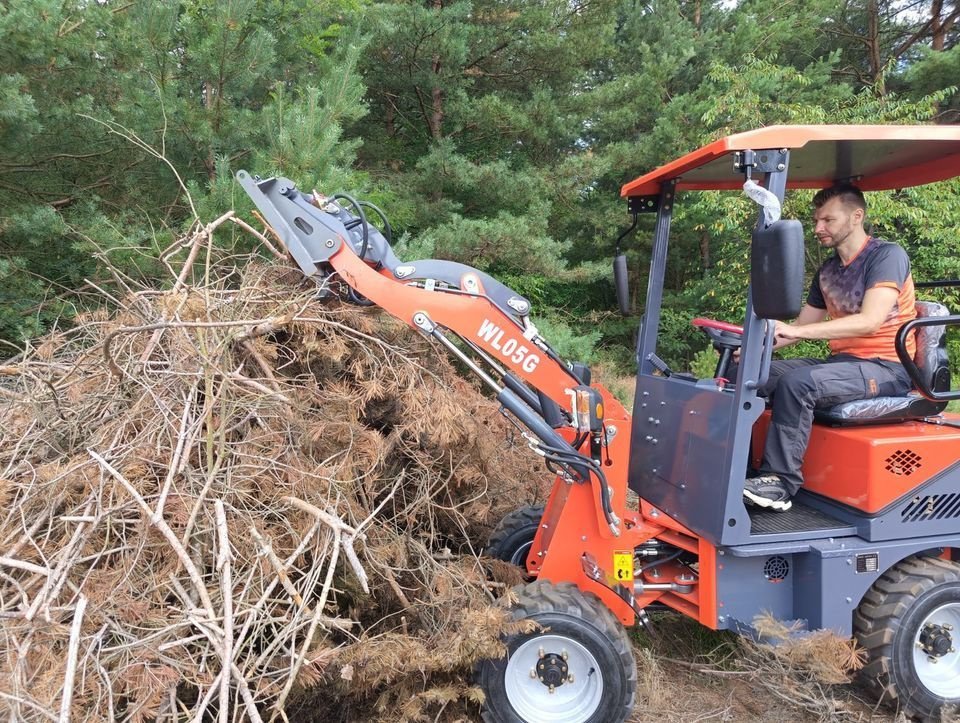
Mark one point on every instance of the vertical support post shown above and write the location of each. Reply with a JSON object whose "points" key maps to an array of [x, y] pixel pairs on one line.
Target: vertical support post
{"points": [[650, 324], [753, 328], [746, 411]]}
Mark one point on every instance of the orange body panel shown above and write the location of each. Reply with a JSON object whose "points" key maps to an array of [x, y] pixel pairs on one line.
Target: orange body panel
{"points": [[573, 525], [870, 467], [701, 604]]}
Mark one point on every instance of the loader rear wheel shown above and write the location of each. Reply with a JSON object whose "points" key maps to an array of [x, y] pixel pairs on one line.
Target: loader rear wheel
{"points": [[577, 667], [909, 623], [511, 539]]}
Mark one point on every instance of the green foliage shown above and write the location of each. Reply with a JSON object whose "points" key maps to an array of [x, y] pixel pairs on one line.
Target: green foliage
{"points": [[704, 363], [571, 343], [493, 132], [40, 238], [86, 89]]}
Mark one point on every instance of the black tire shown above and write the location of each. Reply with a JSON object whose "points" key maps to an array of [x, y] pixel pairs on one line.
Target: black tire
{"points": [[909, 624], [595, 683], [511, 539]]}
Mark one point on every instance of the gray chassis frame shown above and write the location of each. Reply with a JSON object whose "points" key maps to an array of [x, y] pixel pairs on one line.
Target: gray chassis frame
{"points": [[689, 451]]}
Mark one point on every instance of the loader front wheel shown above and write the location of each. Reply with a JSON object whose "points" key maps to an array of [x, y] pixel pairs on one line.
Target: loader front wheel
{"points": [[512, 538], [909, 623], [576, 667]]}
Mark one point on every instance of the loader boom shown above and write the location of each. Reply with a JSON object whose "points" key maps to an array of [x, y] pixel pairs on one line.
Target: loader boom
{"points": [[445, 294], [582, 431]]}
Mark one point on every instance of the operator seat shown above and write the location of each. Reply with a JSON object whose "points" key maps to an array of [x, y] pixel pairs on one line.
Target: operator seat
{"points": [[932, 360]]}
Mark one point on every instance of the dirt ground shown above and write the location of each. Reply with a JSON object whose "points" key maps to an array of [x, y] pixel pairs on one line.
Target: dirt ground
{"points": [[689, 674]]}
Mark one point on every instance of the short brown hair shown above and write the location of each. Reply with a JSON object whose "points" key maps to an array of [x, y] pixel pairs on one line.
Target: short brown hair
{"points": [[849, 195]]}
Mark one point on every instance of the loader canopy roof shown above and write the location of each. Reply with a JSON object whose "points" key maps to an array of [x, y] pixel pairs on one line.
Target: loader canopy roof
{"points": [[874, 157]]}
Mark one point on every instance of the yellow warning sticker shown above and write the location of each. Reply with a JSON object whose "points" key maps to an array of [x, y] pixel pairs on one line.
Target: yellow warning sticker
{"points": [[623, 565]]}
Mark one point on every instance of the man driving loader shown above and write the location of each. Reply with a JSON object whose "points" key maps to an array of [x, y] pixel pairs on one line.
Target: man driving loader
{"points": [[859, 298]]}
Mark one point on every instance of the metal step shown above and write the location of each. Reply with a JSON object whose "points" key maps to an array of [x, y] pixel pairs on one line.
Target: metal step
{"points": [[795, 523]]}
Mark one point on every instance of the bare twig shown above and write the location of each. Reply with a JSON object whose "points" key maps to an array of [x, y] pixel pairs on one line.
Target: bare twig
{"points": [[28, 566], [72, 650], [263, 239], [345, 536], [226, 584], [165, 530]]}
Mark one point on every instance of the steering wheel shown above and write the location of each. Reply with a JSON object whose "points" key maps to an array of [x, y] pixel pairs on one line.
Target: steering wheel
{"points": [[726, 339]]}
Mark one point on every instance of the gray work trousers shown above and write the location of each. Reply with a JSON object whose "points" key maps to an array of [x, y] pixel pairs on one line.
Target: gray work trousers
{"points": [[798, 386]]}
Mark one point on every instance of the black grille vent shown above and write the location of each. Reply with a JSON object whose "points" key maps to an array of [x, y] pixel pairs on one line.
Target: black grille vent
{"points": [[903, 462], [776, 568], [931, 507]]}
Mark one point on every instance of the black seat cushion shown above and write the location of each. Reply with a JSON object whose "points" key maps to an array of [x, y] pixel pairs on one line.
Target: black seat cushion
{"points": [[931, 357]]}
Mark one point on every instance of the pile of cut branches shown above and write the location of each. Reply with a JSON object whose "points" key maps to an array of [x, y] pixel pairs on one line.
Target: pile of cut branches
{"points": [[233, 500]]}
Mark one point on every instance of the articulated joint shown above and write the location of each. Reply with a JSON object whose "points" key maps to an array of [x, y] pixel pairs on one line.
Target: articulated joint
{"points": [[423, 323]]}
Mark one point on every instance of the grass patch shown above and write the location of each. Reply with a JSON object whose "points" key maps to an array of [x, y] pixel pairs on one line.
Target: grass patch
{"points": [[684, 667], [672, 636]]}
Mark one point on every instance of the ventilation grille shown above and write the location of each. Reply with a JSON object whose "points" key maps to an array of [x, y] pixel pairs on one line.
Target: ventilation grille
{"points": [[903, 462], [932, 507], [776, 568]]}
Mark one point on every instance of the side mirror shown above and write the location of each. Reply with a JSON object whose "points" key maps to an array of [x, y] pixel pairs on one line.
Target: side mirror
{"points": [[620, 280], [776, 270]]}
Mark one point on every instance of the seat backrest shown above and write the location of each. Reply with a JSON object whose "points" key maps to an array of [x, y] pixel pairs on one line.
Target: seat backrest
{"points": [[931, 356]]}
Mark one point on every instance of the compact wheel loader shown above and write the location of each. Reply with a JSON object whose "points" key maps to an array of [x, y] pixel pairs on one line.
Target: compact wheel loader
{"points": [[868, 548]]}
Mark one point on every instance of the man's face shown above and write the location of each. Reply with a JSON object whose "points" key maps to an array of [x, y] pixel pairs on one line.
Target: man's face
{"points": [[834, 222]]}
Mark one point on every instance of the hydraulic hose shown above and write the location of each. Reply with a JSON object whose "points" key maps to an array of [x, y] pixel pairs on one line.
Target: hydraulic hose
{"points": [[365, 231], [352, 295]]}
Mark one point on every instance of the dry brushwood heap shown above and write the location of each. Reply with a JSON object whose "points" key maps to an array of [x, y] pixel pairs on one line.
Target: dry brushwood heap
{"points": [[234, 500]]}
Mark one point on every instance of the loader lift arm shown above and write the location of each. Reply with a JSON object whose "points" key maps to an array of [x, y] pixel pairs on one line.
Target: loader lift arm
{"points": [[581, 431], [485, 313]]}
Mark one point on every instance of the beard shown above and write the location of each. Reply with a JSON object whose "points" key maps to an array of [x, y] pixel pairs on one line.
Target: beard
{"points": [[836, 239]]}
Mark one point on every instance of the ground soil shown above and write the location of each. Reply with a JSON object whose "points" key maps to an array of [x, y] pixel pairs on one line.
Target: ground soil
{"points": [[688, 673]]}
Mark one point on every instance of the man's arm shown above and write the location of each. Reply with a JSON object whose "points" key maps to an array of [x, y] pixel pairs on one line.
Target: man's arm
{"points": [[877, 303], [808, 315]]}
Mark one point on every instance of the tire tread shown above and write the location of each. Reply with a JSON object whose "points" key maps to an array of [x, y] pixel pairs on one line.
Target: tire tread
{"points": [[542, 596], [878, 617], [518, 519]]}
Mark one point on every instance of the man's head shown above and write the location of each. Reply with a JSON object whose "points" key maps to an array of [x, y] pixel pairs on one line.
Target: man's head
{"points": [[839, 213]]}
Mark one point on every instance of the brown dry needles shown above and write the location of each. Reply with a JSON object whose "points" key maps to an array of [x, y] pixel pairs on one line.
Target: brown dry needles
{"points": [[233, 500]]}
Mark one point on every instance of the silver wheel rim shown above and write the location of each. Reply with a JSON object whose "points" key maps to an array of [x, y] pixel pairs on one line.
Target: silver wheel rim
{"points": [[519, 557], [573, 701], [940, 674]]}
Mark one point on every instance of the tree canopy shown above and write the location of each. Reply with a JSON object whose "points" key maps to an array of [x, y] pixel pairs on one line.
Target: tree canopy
{"points": [[492, 132]]}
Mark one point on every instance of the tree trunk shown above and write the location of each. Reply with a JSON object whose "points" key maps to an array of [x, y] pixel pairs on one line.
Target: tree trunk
{"points": [[211, 160], [705, 253], [873, 46], [436, 115], [390, 116], [938, 33]]}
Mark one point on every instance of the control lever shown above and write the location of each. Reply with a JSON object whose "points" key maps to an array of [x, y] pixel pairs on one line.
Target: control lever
{"points": [[659, 364]]}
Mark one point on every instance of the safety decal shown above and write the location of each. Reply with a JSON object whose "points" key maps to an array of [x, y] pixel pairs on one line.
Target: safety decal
{"points": [[623, 565]]}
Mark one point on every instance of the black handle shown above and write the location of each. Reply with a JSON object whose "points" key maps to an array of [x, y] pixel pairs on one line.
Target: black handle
{"points": [[900, 344]]}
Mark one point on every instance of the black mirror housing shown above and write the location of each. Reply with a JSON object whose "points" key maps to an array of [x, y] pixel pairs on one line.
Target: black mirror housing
{"points": [[621, 283], [776, 270]]}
